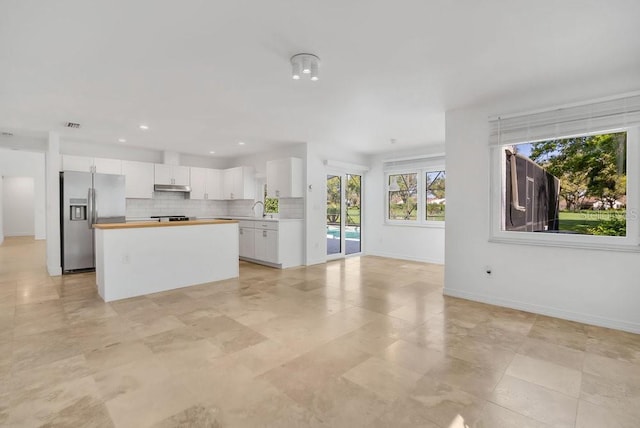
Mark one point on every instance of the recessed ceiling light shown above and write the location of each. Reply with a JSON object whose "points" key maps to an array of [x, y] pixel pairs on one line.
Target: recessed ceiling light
{"points": [[241, 143], [212, 152], [122, 140], [144, 127]]}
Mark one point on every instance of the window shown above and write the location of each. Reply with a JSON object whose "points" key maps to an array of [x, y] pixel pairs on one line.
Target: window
{"points": [[270, 204], [416, 192], [574, 185], [568, 176], [403, 197], [435, 197]]}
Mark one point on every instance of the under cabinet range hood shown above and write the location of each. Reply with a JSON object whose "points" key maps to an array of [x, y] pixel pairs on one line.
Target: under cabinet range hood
{"points": [[171, 188]]}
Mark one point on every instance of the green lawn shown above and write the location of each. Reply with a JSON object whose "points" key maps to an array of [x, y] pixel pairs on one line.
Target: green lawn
{"points": [[579, 221]]}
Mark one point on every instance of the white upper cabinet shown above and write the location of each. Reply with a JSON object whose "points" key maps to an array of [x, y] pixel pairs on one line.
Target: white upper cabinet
{"points": [[284, 178], [107, 166], [238, 183], [171, 174], [77, 163], [206, 183], [214, 184], [89, 164], [139, 178], [198, 183]]}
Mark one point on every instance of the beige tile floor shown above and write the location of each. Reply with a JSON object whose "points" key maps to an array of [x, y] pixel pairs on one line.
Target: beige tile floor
{"points": [[364, 342]]}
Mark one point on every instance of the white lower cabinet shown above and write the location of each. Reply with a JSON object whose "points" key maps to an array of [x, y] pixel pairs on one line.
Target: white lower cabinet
{"points": [[247, 241], [266, 245], [273, 243]]}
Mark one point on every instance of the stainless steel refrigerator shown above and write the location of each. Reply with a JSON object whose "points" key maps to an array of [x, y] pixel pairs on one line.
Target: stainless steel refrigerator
{"points": [[87, 199]]}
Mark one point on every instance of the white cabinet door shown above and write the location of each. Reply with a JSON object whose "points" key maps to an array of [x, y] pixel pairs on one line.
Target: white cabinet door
{"points": [[271, 246], [266, 245], [247, 242], [163, 174], [181, 175], [139, 179], [172, 174], [284, 178], [107, 166], [198, 183], [231, 183], [238, 183], [77, 163], [213, 184]]}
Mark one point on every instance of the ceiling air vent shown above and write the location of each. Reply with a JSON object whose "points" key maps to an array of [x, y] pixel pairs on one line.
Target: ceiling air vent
{"points": [[7, 134], [72, 125]]}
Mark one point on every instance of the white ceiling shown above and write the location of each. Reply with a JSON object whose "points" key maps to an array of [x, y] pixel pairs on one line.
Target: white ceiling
{"points": [[207, 74]]}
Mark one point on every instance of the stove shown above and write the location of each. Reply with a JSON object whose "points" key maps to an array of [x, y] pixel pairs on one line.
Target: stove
{"points": [[172, 218]]}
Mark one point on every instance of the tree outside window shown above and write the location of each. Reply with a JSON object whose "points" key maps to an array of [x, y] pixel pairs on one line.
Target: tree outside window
{"points": [[270, 204], [575, 185], [403, 196], [435, 195]]}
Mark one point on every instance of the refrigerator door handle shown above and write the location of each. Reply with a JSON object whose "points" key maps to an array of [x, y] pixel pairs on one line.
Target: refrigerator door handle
{"points": [[94, 210], [91, 208]]}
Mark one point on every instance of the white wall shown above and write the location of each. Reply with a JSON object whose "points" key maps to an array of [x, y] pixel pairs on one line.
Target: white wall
{"points": [[425, 244], [16, 163], [18, 206], [591, 286], [52, 173]]}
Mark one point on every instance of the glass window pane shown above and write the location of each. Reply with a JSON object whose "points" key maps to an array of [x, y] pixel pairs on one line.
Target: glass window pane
{"points": [[435, 195], [403, 197], [574, 185]]}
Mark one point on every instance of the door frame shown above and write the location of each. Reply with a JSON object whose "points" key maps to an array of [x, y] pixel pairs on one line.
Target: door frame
{"points": [[342, 173]]}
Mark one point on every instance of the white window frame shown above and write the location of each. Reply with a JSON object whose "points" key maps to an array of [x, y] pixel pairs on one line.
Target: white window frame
{"points": [[421, 190], [629, 243]]}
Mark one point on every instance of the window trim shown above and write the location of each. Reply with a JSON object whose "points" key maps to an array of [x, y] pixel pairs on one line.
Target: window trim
{"points": [[421, 189], [629, 243]]}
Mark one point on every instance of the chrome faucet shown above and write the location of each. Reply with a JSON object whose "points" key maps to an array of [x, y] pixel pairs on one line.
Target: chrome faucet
{"points": [[261, 203]]}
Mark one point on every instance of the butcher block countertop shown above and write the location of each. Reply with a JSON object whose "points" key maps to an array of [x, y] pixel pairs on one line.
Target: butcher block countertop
{"points": [[136, 225]]}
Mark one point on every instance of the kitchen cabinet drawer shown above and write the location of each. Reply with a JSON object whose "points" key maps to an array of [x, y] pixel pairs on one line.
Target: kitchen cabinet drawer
{"points": [[247, 223], [266, 225]]}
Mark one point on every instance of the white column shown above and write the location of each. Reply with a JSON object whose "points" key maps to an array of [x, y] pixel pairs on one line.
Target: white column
{"points": [[52, 169]]}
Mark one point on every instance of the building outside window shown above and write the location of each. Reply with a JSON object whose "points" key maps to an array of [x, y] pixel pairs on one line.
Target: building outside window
{"points": [[569, 176]]}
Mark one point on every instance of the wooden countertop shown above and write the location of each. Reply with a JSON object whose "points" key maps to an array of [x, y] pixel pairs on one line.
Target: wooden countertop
{"points": [[139, 224]]}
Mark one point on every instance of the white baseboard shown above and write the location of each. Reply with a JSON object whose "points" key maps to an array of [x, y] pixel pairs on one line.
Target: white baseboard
{"points": [[546, 310], [54, 270], [405, 257]]}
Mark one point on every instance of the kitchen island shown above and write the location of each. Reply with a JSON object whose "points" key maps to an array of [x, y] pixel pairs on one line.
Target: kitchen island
{"points": [[133, 259]]}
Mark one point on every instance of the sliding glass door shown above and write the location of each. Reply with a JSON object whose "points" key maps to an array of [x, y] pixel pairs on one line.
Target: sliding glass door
{"points": [[344, 215]]}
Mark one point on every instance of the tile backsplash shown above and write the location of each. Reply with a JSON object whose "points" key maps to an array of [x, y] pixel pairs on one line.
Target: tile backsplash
{"points": [[291, 208], [168, 203]]}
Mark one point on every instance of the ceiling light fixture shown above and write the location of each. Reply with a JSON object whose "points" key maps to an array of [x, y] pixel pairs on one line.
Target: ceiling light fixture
{"points": [[211, 152], [305, 63], [144, 127], [241, 143], [122, 140]]}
